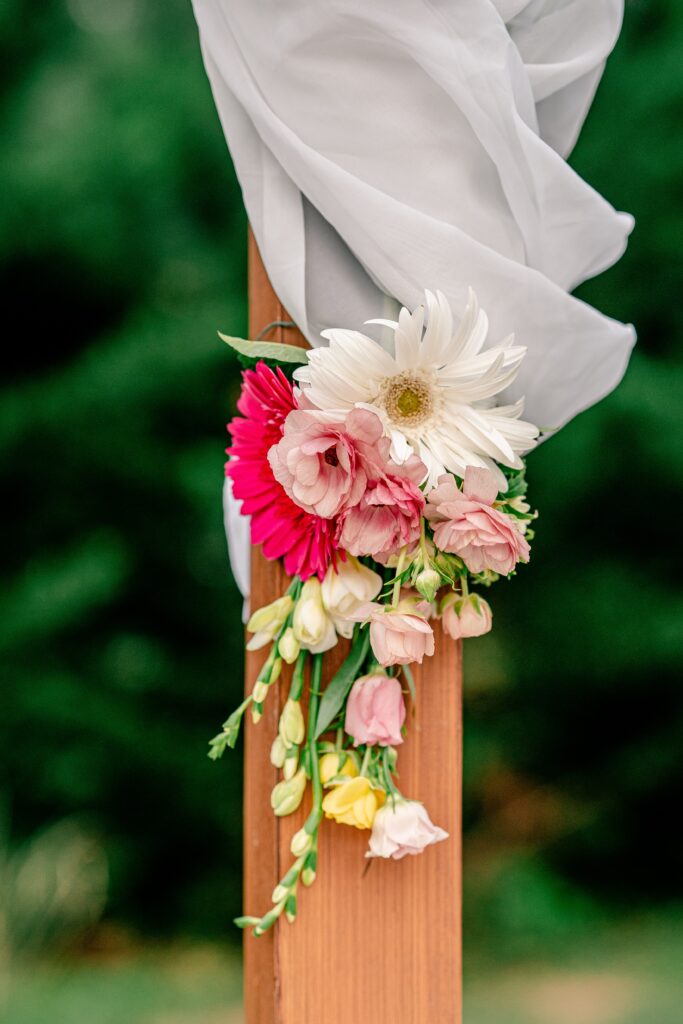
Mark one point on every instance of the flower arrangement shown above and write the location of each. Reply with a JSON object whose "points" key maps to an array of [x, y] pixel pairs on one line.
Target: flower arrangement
{"points": [[389, 485]]}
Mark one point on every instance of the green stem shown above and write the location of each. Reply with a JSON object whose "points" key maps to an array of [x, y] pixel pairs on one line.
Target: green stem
{"points": [[311, 742], [423, 544], [264, 674], [397, 578], [366, 761], [297, 686], [386, 771]]}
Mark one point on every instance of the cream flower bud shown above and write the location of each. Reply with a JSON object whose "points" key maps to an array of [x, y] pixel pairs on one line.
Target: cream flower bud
{"points": [[278, 752], [292, 728], [427, 583], [291, 762], [288, 646], [287, 795], [308, 876], [345, 589], [312, 627], [301, 843], [267, 622], [280, 892], [260, 691]]}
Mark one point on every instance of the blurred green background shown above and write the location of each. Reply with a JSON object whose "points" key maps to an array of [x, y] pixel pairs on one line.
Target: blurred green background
{"points": [[123, 251]]}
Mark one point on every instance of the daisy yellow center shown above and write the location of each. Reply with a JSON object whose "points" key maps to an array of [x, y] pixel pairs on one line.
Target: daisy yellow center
{"points": [[407, 399]]}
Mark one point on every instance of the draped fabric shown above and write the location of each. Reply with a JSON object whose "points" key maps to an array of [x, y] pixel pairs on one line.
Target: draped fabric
{"points": [[390, 146]]}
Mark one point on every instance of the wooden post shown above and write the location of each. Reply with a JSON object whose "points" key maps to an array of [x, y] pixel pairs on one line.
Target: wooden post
{"points": [[376, 942]]}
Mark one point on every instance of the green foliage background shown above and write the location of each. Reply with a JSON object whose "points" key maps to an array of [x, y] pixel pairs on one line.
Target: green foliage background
{"points": [[122, 252]]}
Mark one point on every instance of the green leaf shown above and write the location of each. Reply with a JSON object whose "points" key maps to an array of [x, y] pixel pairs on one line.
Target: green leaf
{"points": [[334, 696], [266, 350], [217, 746], [246, 922]]}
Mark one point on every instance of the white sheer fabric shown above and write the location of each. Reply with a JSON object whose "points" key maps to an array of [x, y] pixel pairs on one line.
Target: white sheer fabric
{"points": [[388, 146]]}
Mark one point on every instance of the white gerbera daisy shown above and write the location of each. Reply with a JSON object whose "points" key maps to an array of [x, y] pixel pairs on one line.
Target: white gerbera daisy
{"points": [[435, 395]]}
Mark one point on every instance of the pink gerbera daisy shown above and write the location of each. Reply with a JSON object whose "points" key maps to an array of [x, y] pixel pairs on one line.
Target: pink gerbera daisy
{"points": [[284, 530]]}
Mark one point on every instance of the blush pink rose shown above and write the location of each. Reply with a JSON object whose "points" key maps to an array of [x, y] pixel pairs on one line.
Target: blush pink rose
{"points": [[402, 827], [396, 637], [375, 711], [466, 617], [319, 464], [388, 514], [466, 524]]}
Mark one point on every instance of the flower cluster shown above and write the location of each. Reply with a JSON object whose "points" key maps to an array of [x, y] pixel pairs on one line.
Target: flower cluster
{"points": [[388, 485]]}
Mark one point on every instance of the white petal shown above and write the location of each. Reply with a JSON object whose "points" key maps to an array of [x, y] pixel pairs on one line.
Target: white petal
{"points": [[436, 344], [401, 449], [408, 337]]}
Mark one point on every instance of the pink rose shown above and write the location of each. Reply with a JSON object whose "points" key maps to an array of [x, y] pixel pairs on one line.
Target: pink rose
{"points": [[466, 524], [389, 511], [396, 637], [319, 464], [375, 711], [465, 617], [402, 827], [386, 518]]}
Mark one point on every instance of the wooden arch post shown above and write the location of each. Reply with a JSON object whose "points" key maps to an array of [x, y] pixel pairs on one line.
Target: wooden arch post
{"points": [[370, 945]]}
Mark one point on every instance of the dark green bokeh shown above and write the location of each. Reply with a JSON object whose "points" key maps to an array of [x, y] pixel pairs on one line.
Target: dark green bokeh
{"points": [[123, 250]]}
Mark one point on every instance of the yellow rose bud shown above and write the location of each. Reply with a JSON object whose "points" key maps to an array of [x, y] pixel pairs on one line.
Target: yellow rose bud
{"points": [[288, 646], [353, 803], [287, 795], [331, 765], [275, 671], [301, 843], [292, 728], [267, 622], [256, 714], [313, 628], [260, 691], [278, 752]]}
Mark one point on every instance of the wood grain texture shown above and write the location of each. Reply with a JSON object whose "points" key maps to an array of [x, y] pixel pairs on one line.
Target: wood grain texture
{"points": [[374, 941]]}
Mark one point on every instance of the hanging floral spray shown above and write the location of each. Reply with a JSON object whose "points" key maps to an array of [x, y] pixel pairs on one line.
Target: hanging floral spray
{"points": [[389, 485]]}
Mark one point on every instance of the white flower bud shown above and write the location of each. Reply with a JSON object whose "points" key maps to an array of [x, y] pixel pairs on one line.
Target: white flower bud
{"points": [[292, 728], [287, 795], [312, 627], [278, 752], [291, 762], [267, 622], [275, 671], [308, 876], [345, 589], [280, 893], [301, 843], [288, 646], [427, 583], [260, 691]]}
